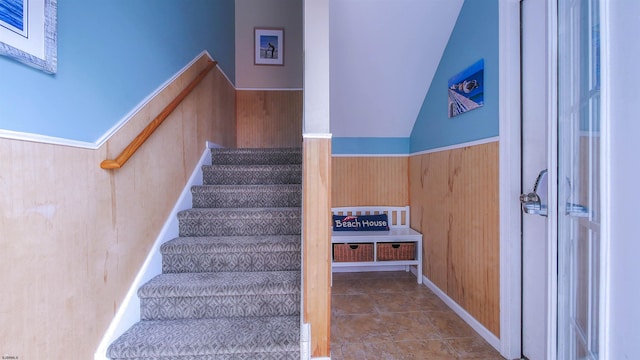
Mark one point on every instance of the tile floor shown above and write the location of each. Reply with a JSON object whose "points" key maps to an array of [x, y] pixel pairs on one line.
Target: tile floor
{"points": [[388, 315]]}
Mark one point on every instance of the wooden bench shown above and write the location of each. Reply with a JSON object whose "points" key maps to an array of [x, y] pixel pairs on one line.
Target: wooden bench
{"points": [[399, 233]]}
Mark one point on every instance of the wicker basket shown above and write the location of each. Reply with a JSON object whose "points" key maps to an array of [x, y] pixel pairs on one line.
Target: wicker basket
{"points": [[352, 252], [396, 251]]}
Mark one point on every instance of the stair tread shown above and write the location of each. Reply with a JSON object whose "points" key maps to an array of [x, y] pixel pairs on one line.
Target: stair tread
{"points": [[240, 213], [201, 337], [247, 187], [258, 150], [221, 284], [253, 167], [236, 211], [227, 244]]}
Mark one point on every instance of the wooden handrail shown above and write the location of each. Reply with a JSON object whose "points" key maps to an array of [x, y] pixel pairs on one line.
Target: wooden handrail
{"points": [[121, 159]]}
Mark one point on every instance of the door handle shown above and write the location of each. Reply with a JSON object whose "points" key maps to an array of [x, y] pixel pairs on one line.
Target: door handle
{"points": [[531, 204], [577, 210], [535, 202]]}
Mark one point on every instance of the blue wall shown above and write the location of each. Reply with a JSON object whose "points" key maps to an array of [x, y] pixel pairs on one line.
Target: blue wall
{"points": [[111, 56], [369, 146], [474, 37]]}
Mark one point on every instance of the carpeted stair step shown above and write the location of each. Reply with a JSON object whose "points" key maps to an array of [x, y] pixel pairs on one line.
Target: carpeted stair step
{"points": [[231, 253], [240, 222], [258, 156], [244, 196], [251, 174], [259, 338], [220, 294]]}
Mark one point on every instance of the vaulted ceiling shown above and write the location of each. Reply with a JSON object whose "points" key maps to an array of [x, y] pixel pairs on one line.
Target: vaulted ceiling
{"points": [[383, 56]]}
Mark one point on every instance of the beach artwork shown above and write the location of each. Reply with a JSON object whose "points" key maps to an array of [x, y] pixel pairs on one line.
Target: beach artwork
{"points": [[268, 47], [269, 43], [466, 89], [13, 16], [28, 33]]}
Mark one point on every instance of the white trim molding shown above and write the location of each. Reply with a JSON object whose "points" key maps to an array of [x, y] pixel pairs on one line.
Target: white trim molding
{"points": [[604, 314], [17, 135], [475, 324], [429, 151], [510, 342], [269, 89], [317, 135], [305, 341], [458, 146], [370, 155]]}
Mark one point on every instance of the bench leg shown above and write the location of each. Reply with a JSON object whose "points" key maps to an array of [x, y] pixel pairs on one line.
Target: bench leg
{"points": [[419, 267]]}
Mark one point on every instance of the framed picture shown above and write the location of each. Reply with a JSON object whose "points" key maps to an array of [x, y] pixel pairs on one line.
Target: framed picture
{"points": [[268, 46], [466, 89], [28, 32]]}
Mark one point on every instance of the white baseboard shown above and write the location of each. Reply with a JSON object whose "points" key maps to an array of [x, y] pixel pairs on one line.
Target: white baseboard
{"points": [[475, 324], [129, 311], [305, 341]]}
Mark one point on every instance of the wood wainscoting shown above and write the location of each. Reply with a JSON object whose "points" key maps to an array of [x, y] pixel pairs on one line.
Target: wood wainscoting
{"points": [[317, 242], [362, 181], [455, 204], [269, 118], [74, 235]]}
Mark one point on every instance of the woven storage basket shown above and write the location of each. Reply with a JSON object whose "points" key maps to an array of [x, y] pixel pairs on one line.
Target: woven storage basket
{"points": [[352, 252], [396, 251]]}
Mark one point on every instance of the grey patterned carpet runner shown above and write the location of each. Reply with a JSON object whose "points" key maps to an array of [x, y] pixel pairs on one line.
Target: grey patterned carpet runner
{"points": [[230, 283]]}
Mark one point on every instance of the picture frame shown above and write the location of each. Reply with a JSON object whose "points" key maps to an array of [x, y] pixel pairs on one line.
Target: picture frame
{"points": [[28, 32], [269, 46], [466, 89]]}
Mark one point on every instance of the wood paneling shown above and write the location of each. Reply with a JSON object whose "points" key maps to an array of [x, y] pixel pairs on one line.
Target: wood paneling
{"points": [[454, 203], [317, 243], [269, 118], [361, 181], [73, 235]]}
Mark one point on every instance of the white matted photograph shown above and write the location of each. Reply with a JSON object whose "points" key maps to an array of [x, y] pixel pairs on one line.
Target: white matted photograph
{"points": [[268, 46], [28, 32]]}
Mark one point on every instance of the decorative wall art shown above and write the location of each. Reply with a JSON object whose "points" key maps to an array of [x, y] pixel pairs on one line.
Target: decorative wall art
{"points": [[466, 89], [269, 46], [28, 32]]}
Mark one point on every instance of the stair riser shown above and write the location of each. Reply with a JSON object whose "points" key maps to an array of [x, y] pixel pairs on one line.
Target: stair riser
{"points": [[239, 227], [275, 157], [260, 338], [250, 199], [244, 176], [219, 306], [231, 262]]}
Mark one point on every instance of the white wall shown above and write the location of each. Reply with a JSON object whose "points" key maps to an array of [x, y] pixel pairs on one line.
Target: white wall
{"points": [[285, 14], [621, 221], [316, 75], [384, 54]]}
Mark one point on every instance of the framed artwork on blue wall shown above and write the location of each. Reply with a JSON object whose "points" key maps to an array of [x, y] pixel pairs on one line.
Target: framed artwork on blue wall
{"points": [[268, 46], [466, 89], [28, 32]]}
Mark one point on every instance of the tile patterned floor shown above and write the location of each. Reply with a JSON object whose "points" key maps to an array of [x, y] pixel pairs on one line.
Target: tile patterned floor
{"points": [[387, 315]]}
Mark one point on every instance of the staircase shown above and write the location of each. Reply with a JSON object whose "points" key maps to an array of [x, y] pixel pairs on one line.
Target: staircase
{"points": [[230, 283]]}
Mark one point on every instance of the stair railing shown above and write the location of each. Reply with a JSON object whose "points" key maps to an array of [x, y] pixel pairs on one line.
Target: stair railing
{"points": [[136, 143]]}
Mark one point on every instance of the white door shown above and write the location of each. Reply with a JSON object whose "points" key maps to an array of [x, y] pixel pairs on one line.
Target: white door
{"points": [[561, 112], [579, 179], [538, 117]]}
